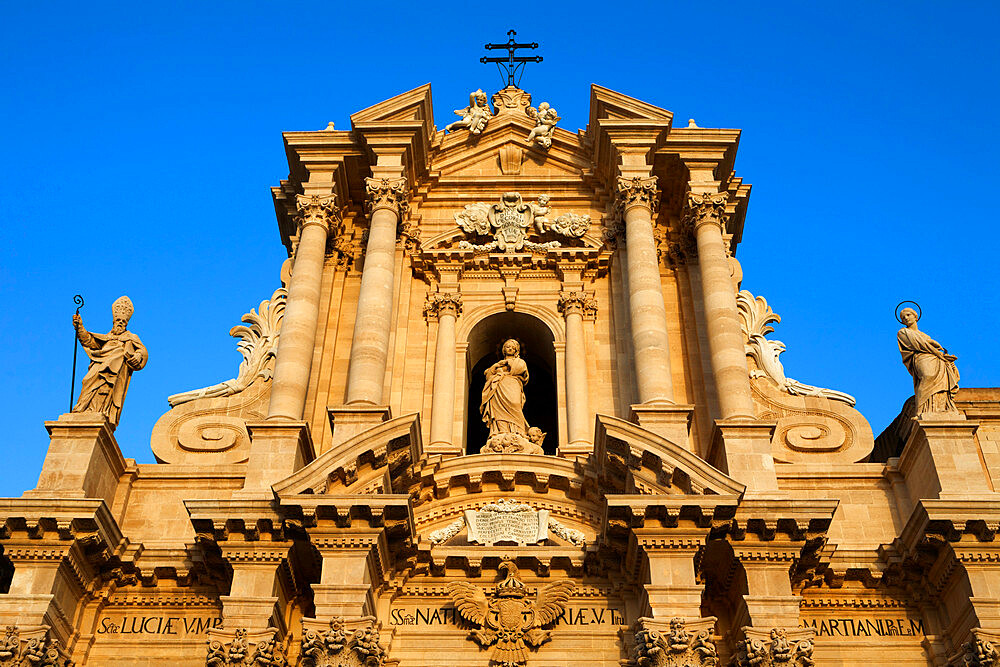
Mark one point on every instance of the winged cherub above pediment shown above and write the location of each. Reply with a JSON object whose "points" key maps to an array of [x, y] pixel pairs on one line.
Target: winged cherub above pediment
{"points": [[512, 220]]}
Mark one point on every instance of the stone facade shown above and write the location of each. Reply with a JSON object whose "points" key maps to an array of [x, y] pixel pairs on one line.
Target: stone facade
{"points": [[656, 492]]}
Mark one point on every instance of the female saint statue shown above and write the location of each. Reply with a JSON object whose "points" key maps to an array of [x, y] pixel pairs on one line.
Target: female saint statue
{"points": [[502, 406], [935, 377]]}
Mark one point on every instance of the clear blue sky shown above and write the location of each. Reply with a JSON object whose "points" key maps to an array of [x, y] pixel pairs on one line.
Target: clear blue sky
{"points": [[140, 140]]}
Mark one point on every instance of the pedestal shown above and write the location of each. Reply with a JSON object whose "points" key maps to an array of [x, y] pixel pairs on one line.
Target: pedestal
{"points": [[742, 449], [277, 449], [346, 421], [941, 460]]}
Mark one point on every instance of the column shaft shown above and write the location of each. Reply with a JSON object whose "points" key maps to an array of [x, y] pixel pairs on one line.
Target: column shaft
{"points": [[298, 326], [370, 348], [725, 338], [577, 410], [648, 314], [443, 398]]}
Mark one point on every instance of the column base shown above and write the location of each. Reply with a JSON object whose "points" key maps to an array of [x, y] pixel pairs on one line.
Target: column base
{"points": [[83, 460], [668, 420], [941, 459], [742, 449], [277, 449], [346, 421]]}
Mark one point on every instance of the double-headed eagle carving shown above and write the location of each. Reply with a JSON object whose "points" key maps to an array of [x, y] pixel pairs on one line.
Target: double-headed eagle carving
{"points": [[509, 620]]}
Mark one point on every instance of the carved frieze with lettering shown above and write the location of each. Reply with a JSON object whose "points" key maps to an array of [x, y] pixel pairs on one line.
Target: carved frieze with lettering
{"points": [[511, 221], [508, 620]]}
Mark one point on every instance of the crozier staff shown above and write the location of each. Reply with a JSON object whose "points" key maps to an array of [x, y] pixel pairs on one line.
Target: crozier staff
{"points": [[113, 357], [935, 376]]}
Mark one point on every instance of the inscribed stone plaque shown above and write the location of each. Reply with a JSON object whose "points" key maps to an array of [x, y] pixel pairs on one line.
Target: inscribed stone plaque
{"points": [[507, 521]]}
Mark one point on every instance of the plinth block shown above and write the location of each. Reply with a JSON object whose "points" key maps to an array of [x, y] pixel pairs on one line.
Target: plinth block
{"points": [[346, 421], [667, 420], [942, 460], [83, 461], [278, 447], [742, 449]]}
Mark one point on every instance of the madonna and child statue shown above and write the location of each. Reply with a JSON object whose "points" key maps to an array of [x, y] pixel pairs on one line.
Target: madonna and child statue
{"points": [[502, 406]]}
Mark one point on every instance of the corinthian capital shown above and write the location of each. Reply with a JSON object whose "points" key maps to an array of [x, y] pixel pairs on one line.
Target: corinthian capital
{"points": [[316, 210], [637, 191], [706, 208], [571, 302], [443, 303], [390, 193]]}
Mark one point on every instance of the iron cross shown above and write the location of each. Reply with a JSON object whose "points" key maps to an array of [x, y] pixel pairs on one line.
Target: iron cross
{"points": [[512, 64]]}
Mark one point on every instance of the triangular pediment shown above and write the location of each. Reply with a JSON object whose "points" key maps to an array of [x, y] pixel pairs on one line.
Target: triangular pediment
{"points": [[609, 104], [413, 105]]}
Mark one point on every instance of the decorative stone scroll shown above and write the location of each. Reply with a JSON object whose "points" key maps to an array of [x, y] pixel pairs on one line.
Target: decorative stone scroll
{"points": [[507, 521], [258, 344], [658, 646], [336, 647], [781, 648], [508, 620], [390, 193], [509, 221], [36, 649], [545, 118], [263, 649], [755, 318]]}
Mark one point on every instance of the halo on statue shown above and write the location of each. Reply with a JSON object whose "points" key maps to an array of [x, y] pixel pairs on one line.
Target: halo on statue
{"points": [[903, 303]]}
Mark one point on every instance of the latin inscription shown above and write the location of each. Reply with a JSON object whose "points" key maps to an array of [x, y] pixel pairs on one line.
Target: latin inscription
{"points": [[449, 616], [865, 627], [158, 625]]}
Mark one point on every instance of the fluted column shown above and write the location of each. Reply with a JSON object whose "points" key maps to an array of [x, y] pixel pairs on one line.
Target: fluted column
{"points": [[573, 305], [316, 214], [447, 307], [638, 199], [706, 215], [387, 201]]}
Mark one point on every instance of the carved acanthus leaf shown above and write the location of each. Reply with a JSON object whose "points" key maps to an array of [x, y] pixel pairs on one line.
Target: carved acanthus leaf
{"points": [[705, 208], [389, 193], [443, 303], [637, 191], [39, 649], [776, 651], [569, 534], [676, 647], [317, 210], [336, 647], [756, 317], [258, 345], [444, 534], [267, 650]]}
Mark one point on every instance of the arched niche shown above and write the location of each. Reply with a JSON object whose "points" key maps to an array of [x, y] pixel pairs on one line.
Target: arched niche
{"points": [[538, 351]]}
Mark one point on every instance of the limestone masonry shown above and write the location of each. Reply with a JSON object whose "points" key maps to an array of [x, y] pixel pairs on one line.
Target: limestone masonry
{"points": [[509, 406]]}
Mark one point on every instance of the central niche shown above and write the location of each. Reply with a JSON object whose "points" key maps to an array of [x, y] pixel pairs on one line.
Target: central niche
{"points": [[537, 350]]}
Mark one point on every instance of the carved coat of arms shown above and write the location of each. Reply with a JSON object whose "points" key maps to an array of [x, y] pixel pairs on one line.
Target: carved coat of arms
{"points": [[509, 223], [509, 620]]}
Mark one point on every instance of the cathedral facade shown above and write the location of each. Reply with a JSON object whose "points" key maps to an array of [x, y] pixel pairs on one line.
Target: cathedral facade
{"points": [[508, 405]]}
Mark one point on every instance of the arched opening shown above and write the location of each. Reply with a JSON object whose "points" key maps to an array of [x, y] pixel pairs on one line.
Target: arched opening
{"points": [[537, 350]]}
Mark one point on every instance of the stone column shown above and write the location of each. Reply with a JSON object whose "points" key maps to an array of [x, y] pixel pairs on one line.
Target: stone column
{"points": [[573, 305], [638, 199], [298, 326], [705, 215], [387, 203], [447, 307]]}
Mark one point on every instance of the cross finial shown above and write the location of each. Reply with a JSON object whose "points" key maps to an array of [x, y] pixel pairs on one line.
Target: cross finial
{"points": [[511, 64]]}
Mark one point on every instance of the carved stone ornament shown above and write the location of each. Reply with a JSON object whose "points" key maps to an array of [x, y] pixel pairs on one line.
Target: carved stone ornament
{"points": [[262, 650], [443, 303], [776, 650], [545, 118], [336, 647], [755, 319], [705, 208], [507, 521], [473, 117], [978, 652], [577, 302], [674, 647], [507, 619], [390, 193], [316, 210], [510, 220], [511, 100], [36, 649], [258, 344], [637, 191], [935, 376]]}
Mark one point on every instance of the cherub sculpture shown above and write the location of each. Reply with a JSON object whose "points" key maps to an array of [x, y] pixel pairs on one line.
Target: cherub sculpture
{"points": [[475, 116], [545, 118], [539, 210]]}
